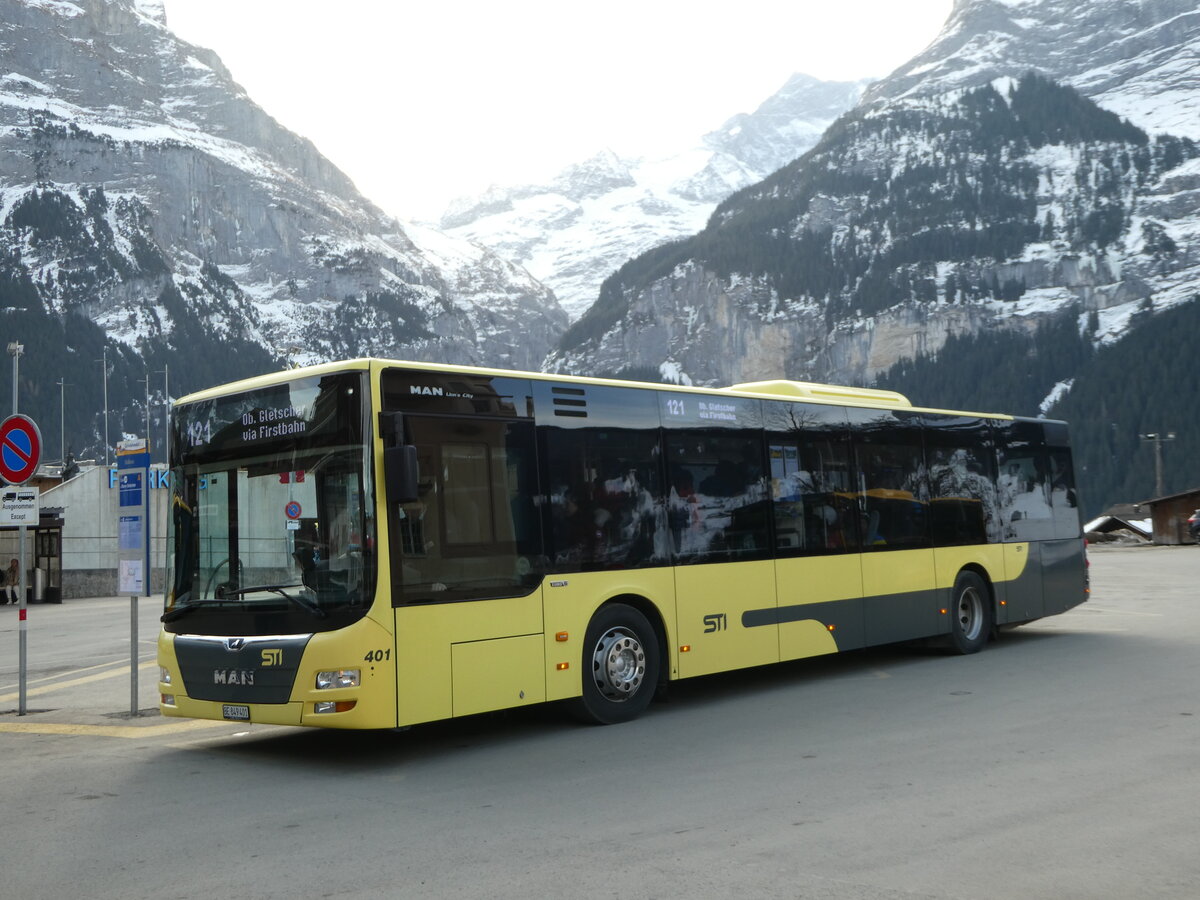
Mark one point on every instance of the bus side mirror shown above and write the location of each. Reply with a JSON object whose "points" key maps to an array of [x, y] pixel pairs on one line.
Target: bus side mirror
{"points": [[400, 472]]}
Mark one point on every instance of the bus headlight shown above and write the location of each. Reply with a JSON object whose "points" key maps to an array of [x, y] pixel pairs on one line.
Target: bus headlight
{"points": [[164, 674], [339, 678]]}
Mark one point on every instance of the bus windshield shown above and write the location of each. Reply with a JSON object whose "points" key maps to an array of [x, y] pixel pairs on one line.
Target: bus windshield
{"points": [[271, 529]]}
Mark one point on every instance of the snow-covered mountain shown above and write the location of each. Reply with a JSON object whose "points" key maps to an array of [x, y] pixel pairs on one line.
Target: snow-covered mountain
{"points": [[1137, 58], [141, 188], [959, 171], [576, 229]]}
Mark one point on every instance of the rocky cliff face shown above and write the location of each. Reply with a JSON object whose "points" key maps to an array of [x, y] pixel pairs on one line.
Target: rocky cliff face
{"points": [[141, 188], [964, 193], [573, 231]]}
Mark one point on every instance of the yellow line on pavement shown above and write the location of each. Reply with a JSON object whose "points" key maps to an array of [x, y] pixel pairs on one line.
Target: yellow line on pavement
{"points": [[121, 731], [73, 682]]}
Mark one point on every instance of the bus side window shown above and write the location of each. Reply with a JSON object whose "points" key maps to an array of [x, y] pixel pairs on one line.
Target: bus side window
{"points": [[1064, 503], [717, 502], [1024, 483], [813, 496], [962, 482], [894, 495]]}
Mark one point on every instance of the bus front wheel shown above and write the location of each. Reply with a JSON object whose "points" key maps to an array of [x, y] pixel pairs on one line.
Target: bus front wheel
{"points": [[971, 620], [620, 666]]}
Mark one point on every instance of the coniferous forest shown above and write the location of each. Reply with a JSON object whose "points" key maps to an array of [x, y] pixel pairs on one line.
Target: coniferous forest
{"points": [[1140, 385]]}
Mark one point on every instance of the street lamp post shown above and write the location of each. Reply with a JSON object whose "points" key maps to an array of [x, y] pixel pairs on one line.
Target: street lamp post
{"points": [[105, 364], [1158, 438], [166, 373], [62, 422]]}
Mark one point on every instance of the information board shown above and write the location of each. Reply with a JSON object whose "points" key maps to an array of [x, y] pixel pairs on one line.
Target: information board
{"points": [[133, 518]]}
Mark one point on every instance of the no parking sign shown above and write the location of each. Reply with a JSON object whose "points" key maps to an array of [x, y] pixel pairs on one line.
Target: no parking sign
{"points": [[20, 449]]}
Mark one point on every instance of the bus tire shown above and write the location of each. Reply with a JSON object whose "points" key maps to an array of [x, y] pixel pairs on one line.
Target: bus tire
{"points": [[620, 666], [970, 614]]}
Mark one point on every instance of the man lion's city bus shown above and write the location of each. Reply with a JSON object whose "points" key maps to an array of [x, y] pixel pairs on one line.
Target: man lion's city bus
{"points": [[373, 544]]}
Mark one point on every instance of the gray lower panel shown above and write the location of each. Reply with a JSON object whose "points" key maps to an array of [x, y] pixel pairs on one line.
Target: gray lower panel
{"points": [[1064, 575], [1023, 595], [845, 615], [888, 618]]}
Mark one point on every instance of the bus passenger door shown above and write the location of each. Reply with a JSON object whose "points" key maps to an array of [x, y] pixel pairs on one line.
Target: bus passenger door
{"points": [[466, 571]]}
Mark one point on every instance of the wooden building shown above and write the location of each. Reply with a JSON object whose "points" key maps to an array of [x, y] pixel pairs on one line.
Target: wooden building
{"points": [[1169, 516]]}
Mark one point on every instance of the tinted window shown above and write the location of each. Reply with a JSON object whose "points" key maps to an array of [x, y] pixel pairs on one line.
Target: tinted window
{"points": [[1024, 483], [474, 531], [812, 480], [717, 506], [962, 490], [605, 499], [604, 502], [1063, 501], [894, 494]]}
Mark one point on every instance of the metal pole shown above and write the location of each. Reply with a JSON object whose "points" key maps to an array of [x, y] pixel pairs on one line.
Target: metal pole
{"points": [[1159, 438], [146, 381], [105, 363], [23, 628], [133, 649], [62, 421], [167, 414], [1158, 476]]}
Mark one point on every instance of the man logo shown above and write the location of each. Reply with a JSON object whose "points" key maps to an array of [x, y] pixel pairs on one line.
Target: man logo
{"points": [[234, 644], [272, 657]]}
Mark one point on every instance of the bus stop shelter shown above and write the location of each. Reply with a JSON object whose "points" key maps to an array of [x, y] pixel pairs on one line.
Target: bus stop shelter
{"points": [[43, 578]]}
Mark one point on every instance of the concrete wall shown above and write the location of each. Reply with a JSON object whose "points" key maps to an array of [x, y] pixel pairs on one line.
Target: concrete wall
{"points": [[90, 507]]}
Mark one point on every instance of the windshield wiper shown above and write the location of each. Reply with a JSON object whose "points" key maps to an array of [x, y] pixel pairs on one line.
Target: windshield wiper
{"points": [[298, 599], [178, 611]]}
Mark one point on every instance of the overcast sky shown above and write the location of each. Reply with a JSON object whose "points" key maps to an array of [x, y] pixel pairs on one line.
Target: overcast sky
{"points": [[421, 102]]}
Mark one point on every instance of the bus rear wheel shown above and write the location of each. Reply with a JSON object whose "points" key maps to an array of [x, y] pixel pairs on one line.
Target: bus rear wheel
{"points": [[620, 666], [971, 619]]}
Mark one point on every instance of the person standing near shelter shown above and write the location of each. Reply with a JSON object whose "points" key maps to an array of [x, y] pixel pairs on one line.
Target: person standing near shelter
{"points": [[12, 579]]}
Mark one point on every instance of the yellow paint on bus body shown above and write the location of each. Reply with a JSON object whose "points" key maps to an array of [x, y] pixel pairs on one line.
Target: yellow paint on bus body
{"points": [[711, 600], [822, 580], [573, 598], [426, 635]]}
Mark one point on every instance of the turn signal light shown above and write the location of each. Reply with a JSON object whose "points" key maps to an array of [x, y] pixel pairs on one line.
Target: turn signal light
{"points": [[334, 706], [167, 699], [686, 648], [561, 636], [562, 667]]}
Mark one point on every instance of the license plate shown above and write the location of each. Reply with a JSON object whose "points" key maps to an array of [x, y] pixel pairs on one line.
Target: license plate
{"points": [[232, 711]]}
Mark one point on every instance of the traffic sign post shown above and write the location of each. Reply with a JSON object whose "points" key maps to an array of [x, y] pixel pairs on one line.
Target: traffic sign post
{"points": [[20, 453], [133, 542]]}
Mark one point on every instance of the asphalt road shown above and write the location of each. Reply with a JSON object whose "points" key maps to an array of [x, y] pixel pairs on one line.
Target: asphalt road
{"points": [[1060, 763]]}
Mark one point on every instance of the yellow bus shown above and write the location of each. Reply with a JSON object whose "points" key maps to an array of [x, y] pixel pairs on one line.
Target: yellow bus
{"points": [[374, 544]]}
